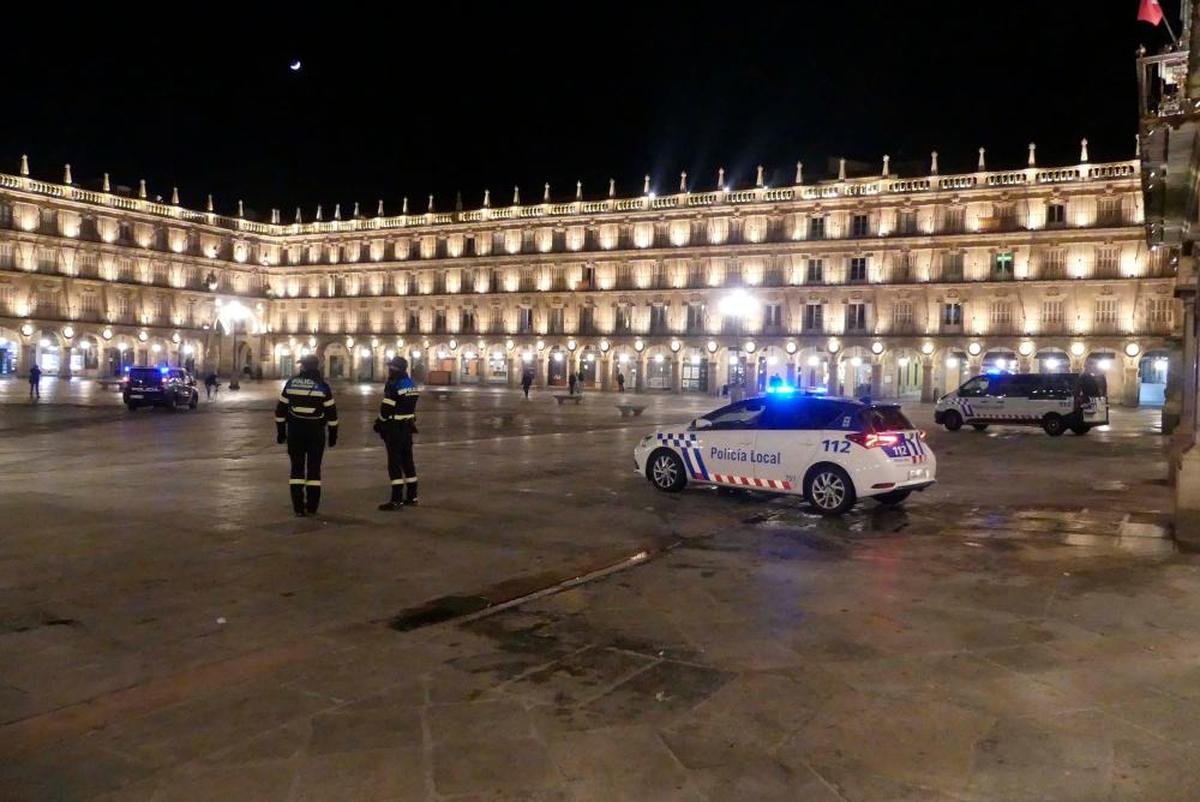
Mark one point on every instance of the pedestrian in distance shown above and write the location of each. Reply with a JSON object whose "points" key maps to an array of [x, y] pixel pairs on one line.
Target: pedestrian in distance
{"points": [[620, 382], [526, 381], [396, 424], [572, 382], [211, 386], [35, 382], [304, 414]]}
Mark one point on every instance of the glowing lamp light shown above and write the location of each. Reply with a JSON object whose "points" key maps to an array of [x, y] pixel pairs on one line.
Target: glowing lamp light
{"points": [[926, 348], [416, 354], [694, 359], [349, 342], [43, 343], [1104, 365], [605, 345], [1132, 349], [750, 346], [711, 345], [902, 361], [1025, 348], [790, 346], [659, 359], [623, 358], [68, 332], [453, 344], [558, 356], [974, 348], [675, 346], [527, 357], [1051, 363], [571, 344], [952, 363], [143, 335], [814, 361], [541, 345], [154, 349], [312, 342], [738, 303], [1077, 349], [1001, 363], [188, 350], [85, 345], [833, 346], [733, 360], [639, 345], [176, 338], [509, 345], [856, 361], [107, 333], [877, 348], [27, 329]]}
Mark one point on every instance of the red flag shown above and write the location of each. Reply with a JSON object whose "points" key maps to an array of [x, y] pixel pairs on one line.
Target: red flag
{"points": [[1150, 12]]}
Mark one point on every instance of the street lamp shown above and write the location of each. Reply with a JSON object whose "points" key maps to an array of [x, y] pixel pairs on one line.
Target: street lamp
{"points": [[229, 315]]}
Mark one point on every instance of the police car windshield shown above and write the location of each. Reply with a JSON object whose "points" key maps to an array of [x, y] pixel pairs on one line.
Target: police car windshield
{"points": [[145, 377]]}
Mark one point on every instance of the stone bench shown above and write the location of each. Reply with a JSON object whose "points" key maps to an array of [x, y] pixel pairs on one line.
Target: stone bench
{"points": [[562, 399], [442, 394], [631, 410], [503, 419], [110, 384]]}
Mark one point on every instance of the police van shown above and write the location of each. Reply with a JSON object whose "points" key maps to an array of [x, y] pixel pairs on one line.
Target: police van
{"points": [[1054, 401], [832, 451]]}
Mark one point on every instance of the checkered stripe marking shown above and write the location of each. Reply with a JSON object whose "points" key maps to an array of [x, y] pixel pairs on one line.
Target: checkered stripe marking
{"points": [[747, 481], [685, 444]]}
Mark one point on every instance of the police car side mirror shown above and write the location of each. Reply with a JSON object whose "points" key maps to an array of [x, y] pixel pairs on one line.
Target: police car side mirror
{"points": [[701, 423]]}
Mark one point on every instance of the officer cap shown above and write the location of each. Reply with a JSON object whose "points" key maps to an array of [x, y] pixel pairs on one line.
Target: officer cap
{"points": [[398, 363], [309, 362]]}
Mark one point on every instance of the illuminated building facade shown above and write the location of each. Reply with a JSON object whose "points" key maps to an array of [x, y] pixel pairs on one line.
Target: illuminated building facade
{"points": [[897, 286]]}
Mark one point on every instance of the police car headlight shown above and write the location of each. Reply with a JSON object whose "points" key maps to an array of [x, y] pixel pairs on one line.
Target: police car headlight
{"points": [[647, 440]]}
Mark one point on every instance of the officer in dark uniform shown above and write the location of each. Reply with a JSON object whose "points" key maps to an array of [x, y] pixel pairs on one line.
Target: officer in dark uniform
{"points": [[397, 424], [305, 409]]}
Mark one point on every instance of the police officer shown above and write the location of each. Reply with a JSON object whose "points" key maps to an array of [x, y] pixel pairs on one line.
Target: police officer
{"points": [[305, 409], [396, 425]]}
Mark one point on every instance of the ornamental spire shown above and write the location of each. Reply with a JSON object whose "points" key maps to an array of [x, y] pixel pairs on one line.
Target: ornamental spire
{"points": [[578, 190], [721, 179], [379, 208], [982, 161], [404, 208], [241, 209], [299, 219], [933, 165], [1083, 153], [337, 211], [24, 164], [107, 186], [683, 182], [646, 186], [356, 215], [516, 196], [1032, 154], [758, 179], [67, 174], [430, 208], [318, 212], [842, 169], [799, 172], [546, 193], [612, 187], [209, 206], [886, 165], [487, 198], [142, 188], [174, 196]]}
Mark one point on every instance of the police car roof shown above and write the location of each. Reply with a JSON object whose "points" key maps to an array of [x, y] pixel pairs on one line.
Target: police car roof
{"points": [[823, 397]]}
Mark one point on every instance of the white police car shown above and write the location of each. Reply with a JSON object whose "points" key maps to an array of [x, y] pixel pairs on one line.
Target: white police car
{"points": [[833, 451], [1054, 401]]}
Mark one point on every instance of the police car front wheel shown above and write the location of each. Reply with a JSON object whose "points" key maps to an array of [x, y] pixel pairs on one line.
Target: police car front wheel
{"points": [[829, 490], [665, 471], [1054, 425]]}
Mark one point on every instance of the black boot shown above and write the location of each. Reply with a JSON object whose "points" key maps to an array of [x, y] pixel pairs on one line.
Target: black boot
{"points": [[314, 498], [395, 502], [297, 499], [411, 497]]}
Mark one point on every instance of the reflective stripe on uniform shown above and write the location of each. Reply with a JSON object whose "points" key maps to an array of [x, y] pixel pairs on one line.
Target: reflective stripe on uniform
{"points": [[281, 420], [402, 417], [411, 479], [389, 402], [283, 399], [398, 481], [295, 481], [333, 423], [304, 410], [313, 482]]}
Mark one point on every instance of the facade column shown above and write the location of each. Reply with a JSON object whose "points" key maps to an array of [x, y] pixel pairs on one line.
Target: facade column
{"points": [[641, 373], [64, 360], [677, 373], [752, 374], [714, 377], [605, 367], [539, 369], [1129, 392], [927, 395], [876, 378], [1173, 401]]}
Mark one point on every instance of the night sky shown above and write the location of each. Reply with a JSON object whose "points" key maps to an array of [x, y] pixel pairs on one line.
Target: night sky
{"points": [[441, 97]]}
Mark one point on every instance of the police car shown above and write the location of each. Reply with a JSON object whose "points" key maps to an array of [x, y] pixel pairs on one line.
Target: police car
{"points": [[832, 451], [1054, 401]]}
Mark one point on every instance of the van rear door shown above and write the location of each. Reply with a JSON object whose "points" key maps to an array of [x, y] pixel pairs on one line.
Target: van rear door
{"points": [[1091, 398]]}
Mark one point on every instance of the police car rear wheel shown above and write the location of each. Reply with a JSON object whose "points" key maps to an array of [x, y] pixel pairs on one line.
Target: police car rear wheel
{"points": [[1054, 425], [953, 421], [665, 471], [829, 490], [1081, 428]]}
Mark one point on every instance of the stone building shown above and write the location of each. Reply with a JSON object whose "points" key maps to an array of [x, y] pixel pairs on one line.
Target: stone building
{"points": [[897, 286]]}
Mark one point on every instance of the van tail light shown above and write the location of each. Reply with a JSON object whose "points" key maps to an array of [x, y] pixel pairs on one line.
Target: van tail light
{"points": [[873, 440]]}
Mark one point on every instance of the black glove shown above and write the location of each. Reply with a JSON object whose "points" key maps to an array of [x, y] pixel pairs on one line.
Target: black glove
{"points": [[280, 433], [332, 436]]}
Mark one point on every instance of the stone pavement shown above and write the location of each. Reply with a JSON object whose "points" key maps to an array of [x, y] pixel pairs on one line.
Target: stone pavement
{"points": [[169, 632]]}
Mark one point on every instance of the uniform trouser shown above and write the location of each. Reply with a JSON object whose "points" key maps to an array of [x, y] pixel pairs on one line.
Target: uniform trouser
{"points": [[306, 447], [402, 472]]}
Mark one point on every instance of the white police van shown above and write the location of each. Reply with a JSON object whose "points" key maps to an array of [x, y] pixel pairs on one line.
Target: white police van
{"points": [[1054, 401], [833, 451]]}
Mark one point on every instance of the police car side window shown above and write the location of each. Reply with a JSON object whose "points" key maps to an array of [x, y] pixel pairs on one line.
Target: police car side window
{"points": [[975, 387], [742, 415]]}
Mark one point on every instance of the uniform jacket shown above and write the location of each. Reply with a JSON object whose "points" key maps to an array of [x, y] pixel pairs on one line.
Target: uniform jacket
{"points": [[308, 399], [399, 401]]}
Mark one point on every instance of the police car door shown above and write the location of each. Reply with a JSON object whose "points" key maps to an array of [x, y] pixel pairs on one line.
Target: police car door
{"points": [[975, 400], [725, 439], [789, 432]]}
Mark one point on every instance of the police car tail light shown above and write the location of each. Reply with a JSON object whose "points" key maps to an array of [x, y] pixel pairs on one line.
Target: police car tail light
{"points": [[872, 439]]}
